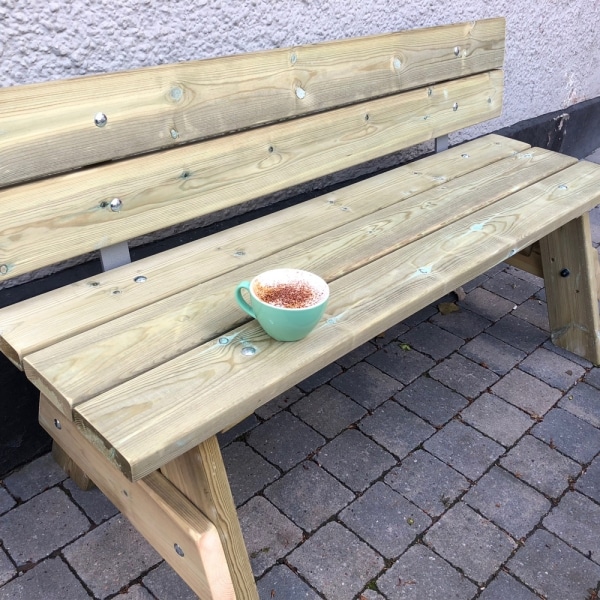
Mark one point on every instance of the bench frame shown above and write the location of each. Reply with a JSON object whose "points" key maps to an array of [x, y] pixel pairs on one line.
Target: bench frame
{"points": [[280, 123]]}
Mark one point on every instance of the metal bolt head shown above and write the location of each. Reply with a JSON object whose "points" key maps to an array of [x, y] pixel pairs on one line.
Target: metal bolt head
{"points": [[457, 51], [455, 106], [116, 204], [179, 550], [100, 120], [3, 269], [565, 273], [249, 351], [140, 279], [563, 186], [57, 424]]}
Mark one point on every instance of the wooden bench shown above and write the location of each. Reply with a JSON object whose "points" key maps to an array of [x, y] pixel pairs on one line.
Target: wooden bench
{"points": [[141, 366]]}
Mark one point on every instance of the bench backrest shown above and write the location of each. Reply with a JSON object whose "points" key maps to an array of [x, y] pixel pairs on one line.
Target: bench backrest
{"points": [[88, 163]]}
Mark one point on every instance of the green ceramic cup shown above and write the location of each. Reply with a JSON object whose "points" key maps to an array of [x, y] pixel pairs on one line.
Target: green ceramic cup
{"points": [[288, 303]]}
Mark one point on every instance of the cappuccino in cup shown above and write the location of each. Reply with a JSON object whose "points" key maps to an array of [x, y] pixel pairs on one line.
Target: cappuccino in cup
{"points": [[288, 303]]}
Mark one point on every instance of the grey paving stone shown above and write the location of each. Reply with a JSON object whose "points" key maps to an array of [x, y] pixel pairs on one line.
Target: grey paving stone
{"points": [[93, 502], [238, 430], [464, 449], [268, 534], [49, 580], [431, 400], [542, 467], [34, 477], [165, 584], [547, 565], [432, 340], [498, 419], [487, 304], [419, 574], [509, 503], [281, 583], [593, 377], [354, 459], [527, 393], [518, 333], [512, 288], [534, 311], [427, 482], [284, 440], [279, 403], [6, 501], [463, 375], [110, 556], [320, 377], [7, 569], [328, 411], [534, 279], [336, 562], [579, 360], [573, 521], [552, 369], [505, 587], [420, 316], [475, 283], [248, 472], [464, 323], [135, 592], [396, 429], [45, 523], [470, 542], [589, 482], [370, 595], [570, 435], [389, 335], [403, 365], [385, 520], [583, 401], [366, 385], [309, 495], [492, 353], [356, 355]]}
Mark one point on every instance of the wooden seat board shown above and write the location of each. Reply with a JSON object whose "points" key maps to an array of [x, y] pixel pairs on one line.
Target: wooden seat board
{"points": [[152, 418], [41, 321], [74, 370], [49, 127], [165, 189]]}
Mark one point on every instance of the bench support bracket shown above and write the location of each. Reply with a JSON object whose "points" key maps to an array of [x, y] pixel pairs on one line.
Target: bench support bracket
{"points": [[570, 264]]}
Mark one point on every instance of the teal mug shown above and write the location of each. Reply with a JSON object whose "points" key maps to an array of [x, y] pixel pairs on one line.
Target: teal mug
{"points": [[288, 303]]}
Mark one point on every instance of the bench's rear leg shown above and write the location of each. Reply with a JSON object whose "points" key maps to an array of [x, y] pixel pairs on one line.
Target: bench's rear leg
{"points": [[71, 468], [570, 264], [200, 474]]}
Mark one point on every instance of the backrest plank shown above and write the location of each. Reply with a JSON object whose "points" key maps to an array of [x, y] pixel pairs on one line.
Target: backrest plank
{"points": [[49, 128], [78, 214]]}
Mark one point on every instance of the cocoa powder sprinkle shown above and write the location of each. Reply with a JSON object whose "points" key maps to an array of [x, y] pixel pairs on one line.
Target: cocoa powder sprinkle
{"points": [[292, 294]]}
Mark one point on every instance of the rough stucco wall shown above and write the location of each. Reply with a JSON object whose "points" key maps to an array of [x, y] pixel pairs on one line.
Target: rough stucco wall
{"points": [[552, 58]]}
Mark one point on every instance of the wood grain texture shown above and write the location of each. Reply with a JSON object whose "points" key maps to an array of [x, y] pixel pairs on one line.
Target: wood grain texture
{"points": [[49, 127], [572, 299], [216, 385], [41, 321], [75, 370], [200, 475], [171, 187], [160, 512]]}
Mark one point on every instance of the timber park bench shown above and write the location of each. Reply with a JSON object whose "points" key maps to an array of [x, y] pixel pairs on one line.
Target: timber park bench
{"points": [[140, 367]]}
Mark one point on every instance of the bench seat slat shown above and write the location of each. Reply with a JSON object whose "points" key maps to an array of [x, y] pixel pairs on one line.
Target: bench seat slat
{"points": [[165, 189], [75, 370], [43, 320], [154, 417], [49, 128]]}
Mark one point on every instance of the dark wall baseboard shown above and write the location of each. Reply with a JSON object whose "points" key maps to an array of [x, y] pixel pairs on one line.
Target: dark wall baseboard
{"points": [[574, 131]]}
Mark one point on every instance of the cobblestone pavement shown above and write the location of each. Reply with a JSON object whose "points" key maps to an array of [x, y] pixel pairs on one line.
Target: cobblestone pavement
{"points": [[456, 456]]}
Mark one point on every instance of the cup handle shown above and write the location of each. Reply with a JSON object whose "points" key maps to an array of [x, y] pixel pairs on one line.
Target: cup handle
{"points": [[244, 285]]}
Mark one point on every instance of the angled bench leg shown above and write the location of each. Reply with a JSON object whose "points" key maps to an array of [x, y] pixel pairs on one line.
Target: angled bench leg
{"points": [[70, 467], [200, 474], [180, 533], [570, 264]]}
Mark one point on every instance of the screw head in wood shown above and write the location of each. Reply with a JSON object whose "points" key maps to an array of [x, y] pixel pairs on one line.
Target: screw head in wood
{"points": [[116, 204], [457, 51], [565, 273], [455, 106], [100, 120], [57, 424], [140, 279], [179, 550], [3, 269], [249, 351]]}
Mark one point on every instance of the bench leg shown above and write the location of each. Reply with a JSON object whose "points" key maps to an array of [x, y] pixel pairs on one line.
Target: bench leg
{"points": [[200, 474], [179, 532], [570, 263], [66, 463]]}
